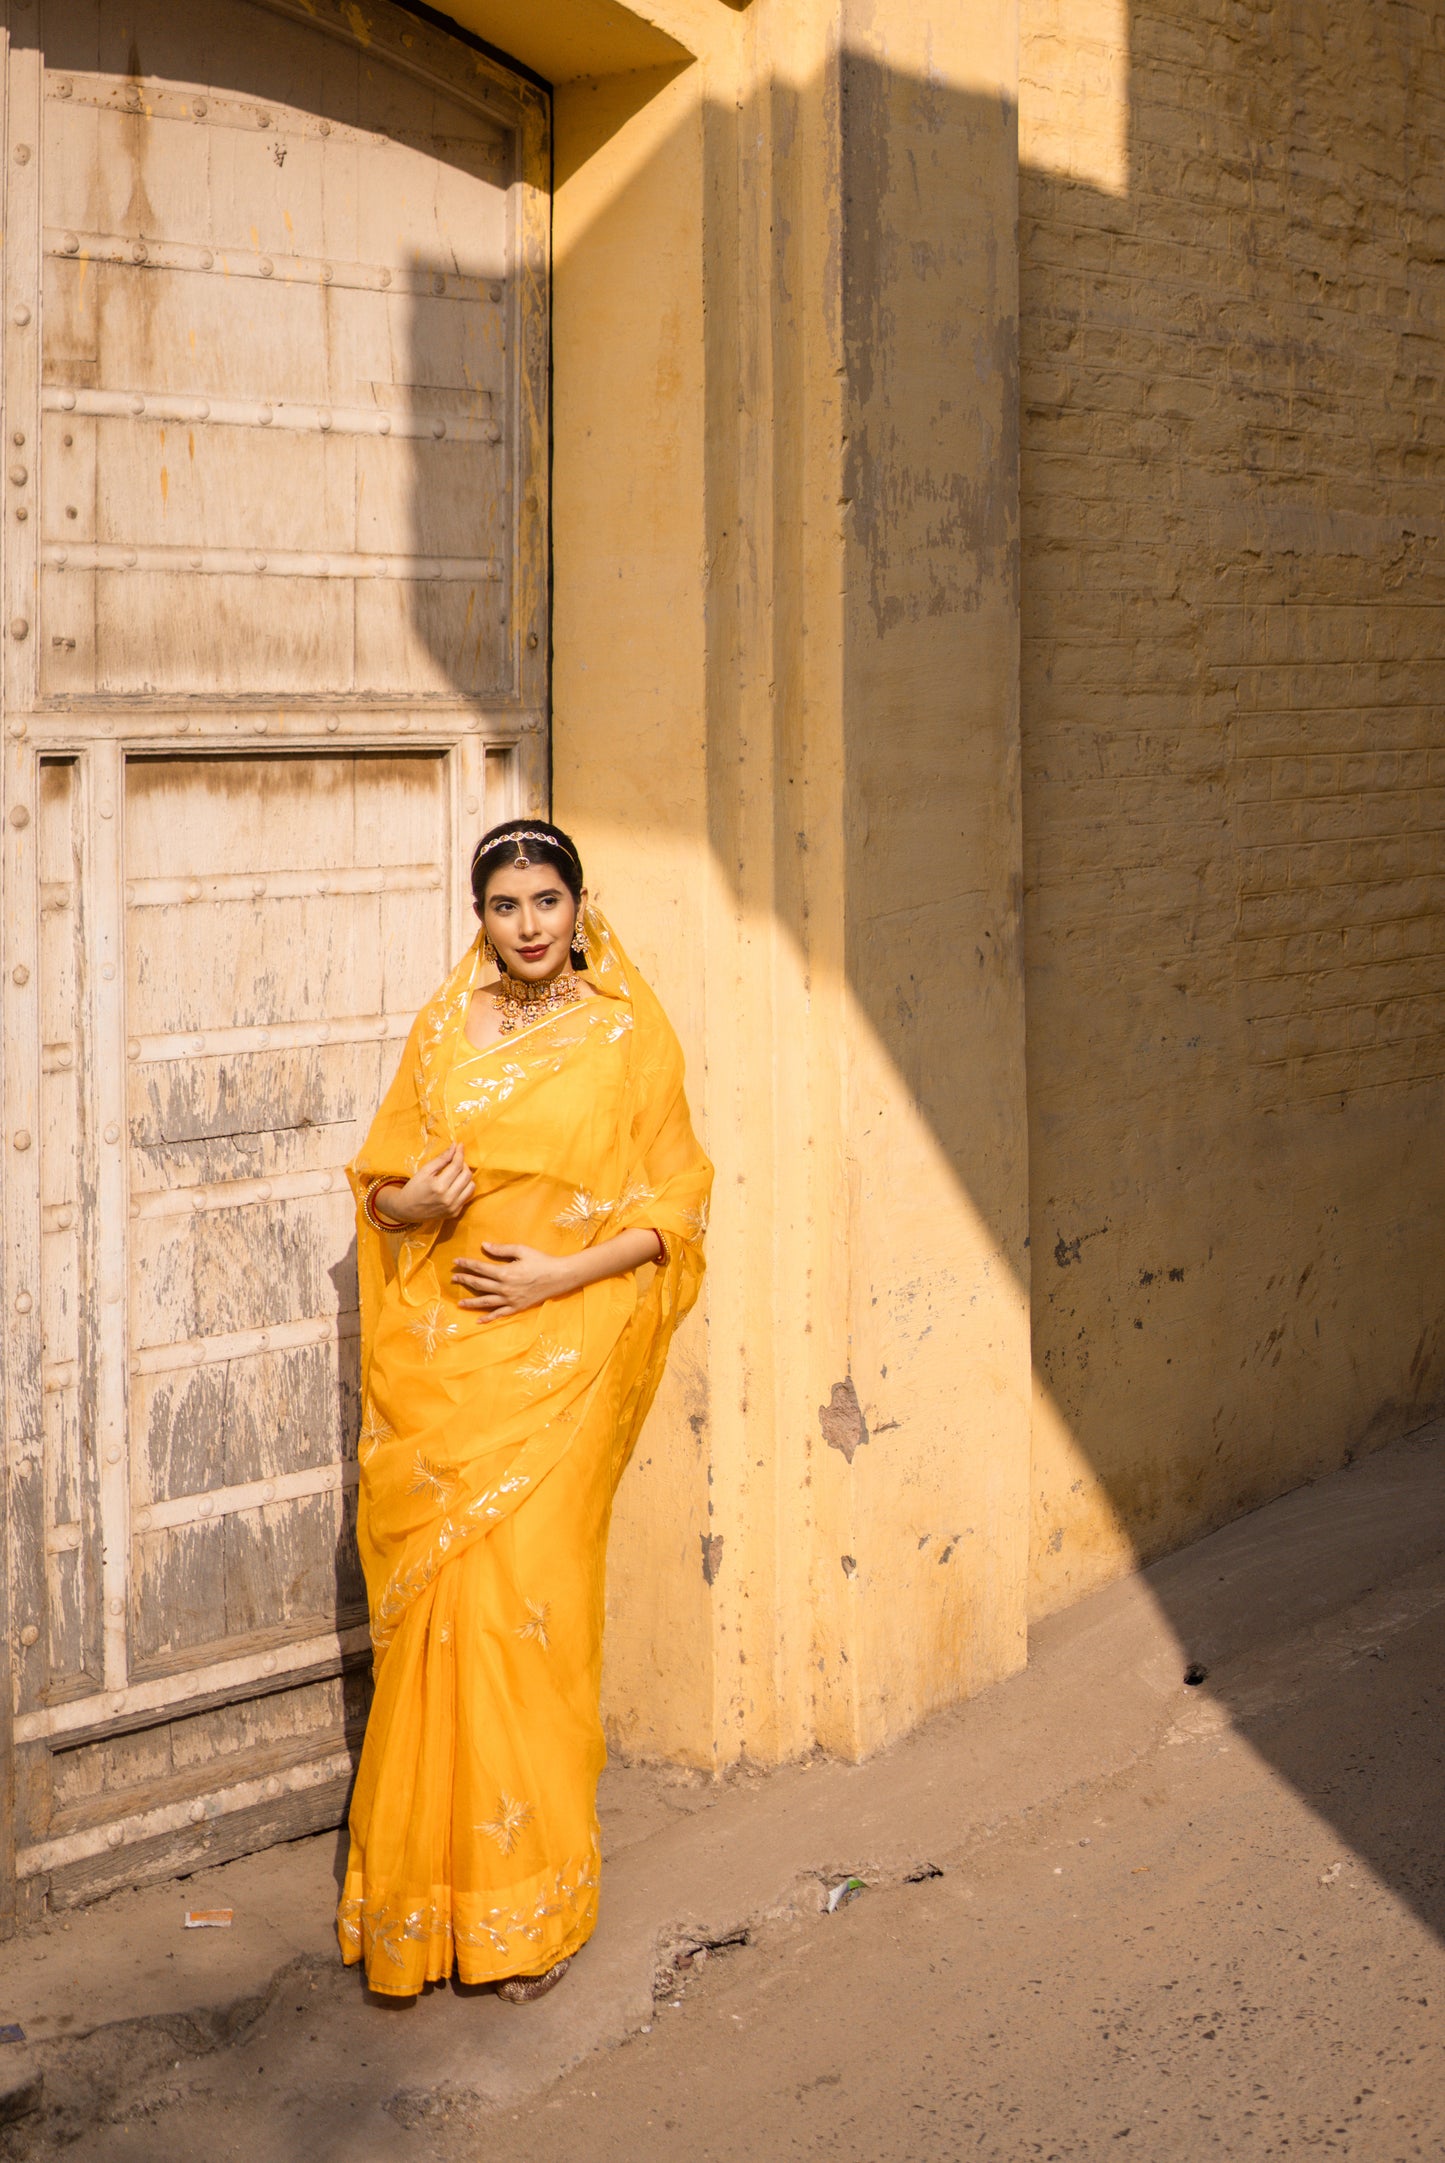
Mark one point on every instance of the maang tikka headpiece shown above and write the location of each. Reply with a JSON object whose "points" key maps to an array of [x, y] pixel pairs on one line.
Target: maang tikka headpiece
{"points": [[521, 861]]}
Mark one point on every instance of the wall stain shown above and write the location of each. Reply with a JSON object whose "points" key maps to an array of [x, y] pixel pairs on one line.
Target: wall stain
{"points": [[841, 1419]]}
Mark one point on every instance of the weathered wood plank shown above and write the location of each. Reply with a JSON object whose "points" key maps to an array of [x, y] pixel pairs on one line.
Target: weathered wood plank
{"points": [[105, 1176], [433, 638], [21, 1503], [249, 1115], [233, 1269], [75, 1723], [252, 964], [177, 1596], [68, 1644], [214, 1747], [285, 1565], [247, 1420], [207, 1587], [201, 1847]]}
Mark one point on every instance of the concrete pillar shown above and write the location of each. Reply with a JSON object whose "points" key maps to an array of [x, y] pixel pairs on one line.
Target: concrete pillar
{"points": [[869, 1343]]}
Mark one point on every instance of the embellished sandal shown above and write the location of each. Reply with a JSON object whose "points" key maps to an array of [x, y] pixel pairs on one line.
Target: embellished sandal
{"points": [[526, 1989]]}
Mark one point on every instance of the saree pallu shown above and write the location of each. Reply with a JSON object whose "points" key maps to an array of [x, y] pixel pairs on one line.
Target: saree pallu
{"points": [[490, 1451]]}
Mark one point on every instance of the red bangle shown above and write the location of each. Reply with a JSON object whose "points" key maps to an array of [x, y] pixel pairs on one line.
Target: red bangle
{"points": [[369, 1209]]}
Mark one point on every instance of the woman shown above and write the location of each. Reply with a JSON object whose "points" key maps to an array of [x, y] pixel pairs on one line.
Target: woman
{"points": [[531, 1206]]}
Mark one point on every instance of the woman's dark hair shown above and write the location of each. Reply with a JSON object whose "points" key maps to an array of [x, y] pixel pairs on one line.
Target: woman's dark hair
{"points": [[539, 840]]}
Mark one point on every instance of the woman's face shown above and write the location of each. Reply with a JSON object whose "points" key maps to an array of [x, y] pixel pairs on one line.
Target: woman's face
{"points": [[528, 916]]}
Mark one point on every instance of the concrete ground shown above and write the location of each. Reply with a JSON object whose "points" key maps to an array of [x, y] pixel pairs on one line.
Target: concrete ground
{"points": [[1102, 1914]]}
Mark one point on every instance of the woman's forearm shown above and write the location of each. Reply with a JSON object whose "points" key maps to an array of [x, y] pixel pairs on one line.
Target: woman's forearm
{"points": [[612, 1257], [509, 1280]]}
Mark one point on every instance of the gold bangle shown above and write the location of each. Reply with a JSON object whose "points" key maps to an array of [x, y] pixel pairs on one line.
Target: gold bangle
{"points": [[370, 1211]]}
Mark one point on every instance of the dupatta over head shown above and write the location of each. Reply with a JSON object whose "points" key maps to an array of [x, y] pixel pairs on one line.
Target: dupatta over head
{"points": [[490, 1449]]}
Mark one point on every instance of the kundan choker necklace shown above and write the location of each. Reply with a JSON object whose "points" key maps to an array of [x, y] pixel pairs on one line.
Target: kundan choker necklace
{"points": [[522, 1003]]}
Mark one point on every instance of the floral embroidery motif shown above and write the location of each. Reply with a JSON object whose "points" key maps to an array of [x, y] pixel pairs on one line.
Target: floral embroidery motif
{"points": [[484, 1936], [500, 1932], [585, 1210], [633, 1195], [534, 1629], [493, 1090], [512, 1818], [696, 1220], [382, 1930], [582, 1210], [441, 1486], [374, 1431], [429, 1329], [383, 1934], [549, 1360]]}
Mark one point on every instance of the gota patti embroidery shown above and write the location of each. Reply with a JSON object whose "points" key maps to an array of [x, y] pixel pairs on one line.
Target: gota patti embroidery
{"points": [[431, 1329], [549, 1361], [374, 1431], [589, 1212], [486, 1092], [382, 1929], [427, 1480], [411, 1581], [479, 1083], [511, 1820]]}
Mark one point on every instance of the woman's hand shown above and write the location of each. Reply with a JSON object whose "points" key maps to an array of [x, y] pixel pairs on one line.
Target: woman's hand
{"points": [[442, 1188], [513, 1279]]}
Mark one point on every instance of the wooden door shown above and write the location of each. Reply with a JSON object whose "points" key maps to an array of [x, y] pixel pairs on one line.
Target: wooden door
{"points": [[274, 638]]}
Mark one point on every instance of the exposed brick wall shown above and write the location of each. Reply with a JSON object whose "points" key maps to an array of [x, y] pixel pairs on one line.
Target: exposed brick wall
{"points": [[1234, 743]]}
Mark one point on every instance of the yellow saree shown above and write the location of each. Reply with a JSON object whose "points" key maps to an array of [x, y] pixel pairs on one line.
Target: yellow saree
{"points": [[490, 1450]]}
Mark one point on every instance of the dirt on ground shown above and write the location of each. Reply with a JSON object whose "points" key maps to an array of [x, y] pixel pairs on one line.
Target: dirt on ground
{"points": [[1187, 1965], [1230, 1947]]}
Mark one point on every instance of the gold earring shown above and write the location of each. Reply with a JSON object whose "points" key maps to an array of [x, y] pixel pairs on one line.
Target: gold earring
{"points": [[489, 952], [579, 935]]}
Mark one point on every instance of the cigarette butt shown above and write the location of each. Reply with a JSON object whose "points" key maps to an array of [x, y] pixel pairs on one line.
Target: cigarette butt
{"points": [[209, 1918]]}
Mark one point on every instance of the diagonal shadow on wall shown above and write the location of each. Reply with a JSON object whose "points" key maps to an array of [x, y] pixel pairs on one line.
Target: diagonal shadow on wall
{"points": [[1193, 1357]]}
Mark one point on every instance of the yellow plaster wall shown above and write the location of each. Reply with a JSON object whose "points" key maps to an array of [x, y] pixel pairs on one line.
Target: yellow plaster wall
{"points": [[863, 749], [1234, 666], [933, 1512], [783, 792]]}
